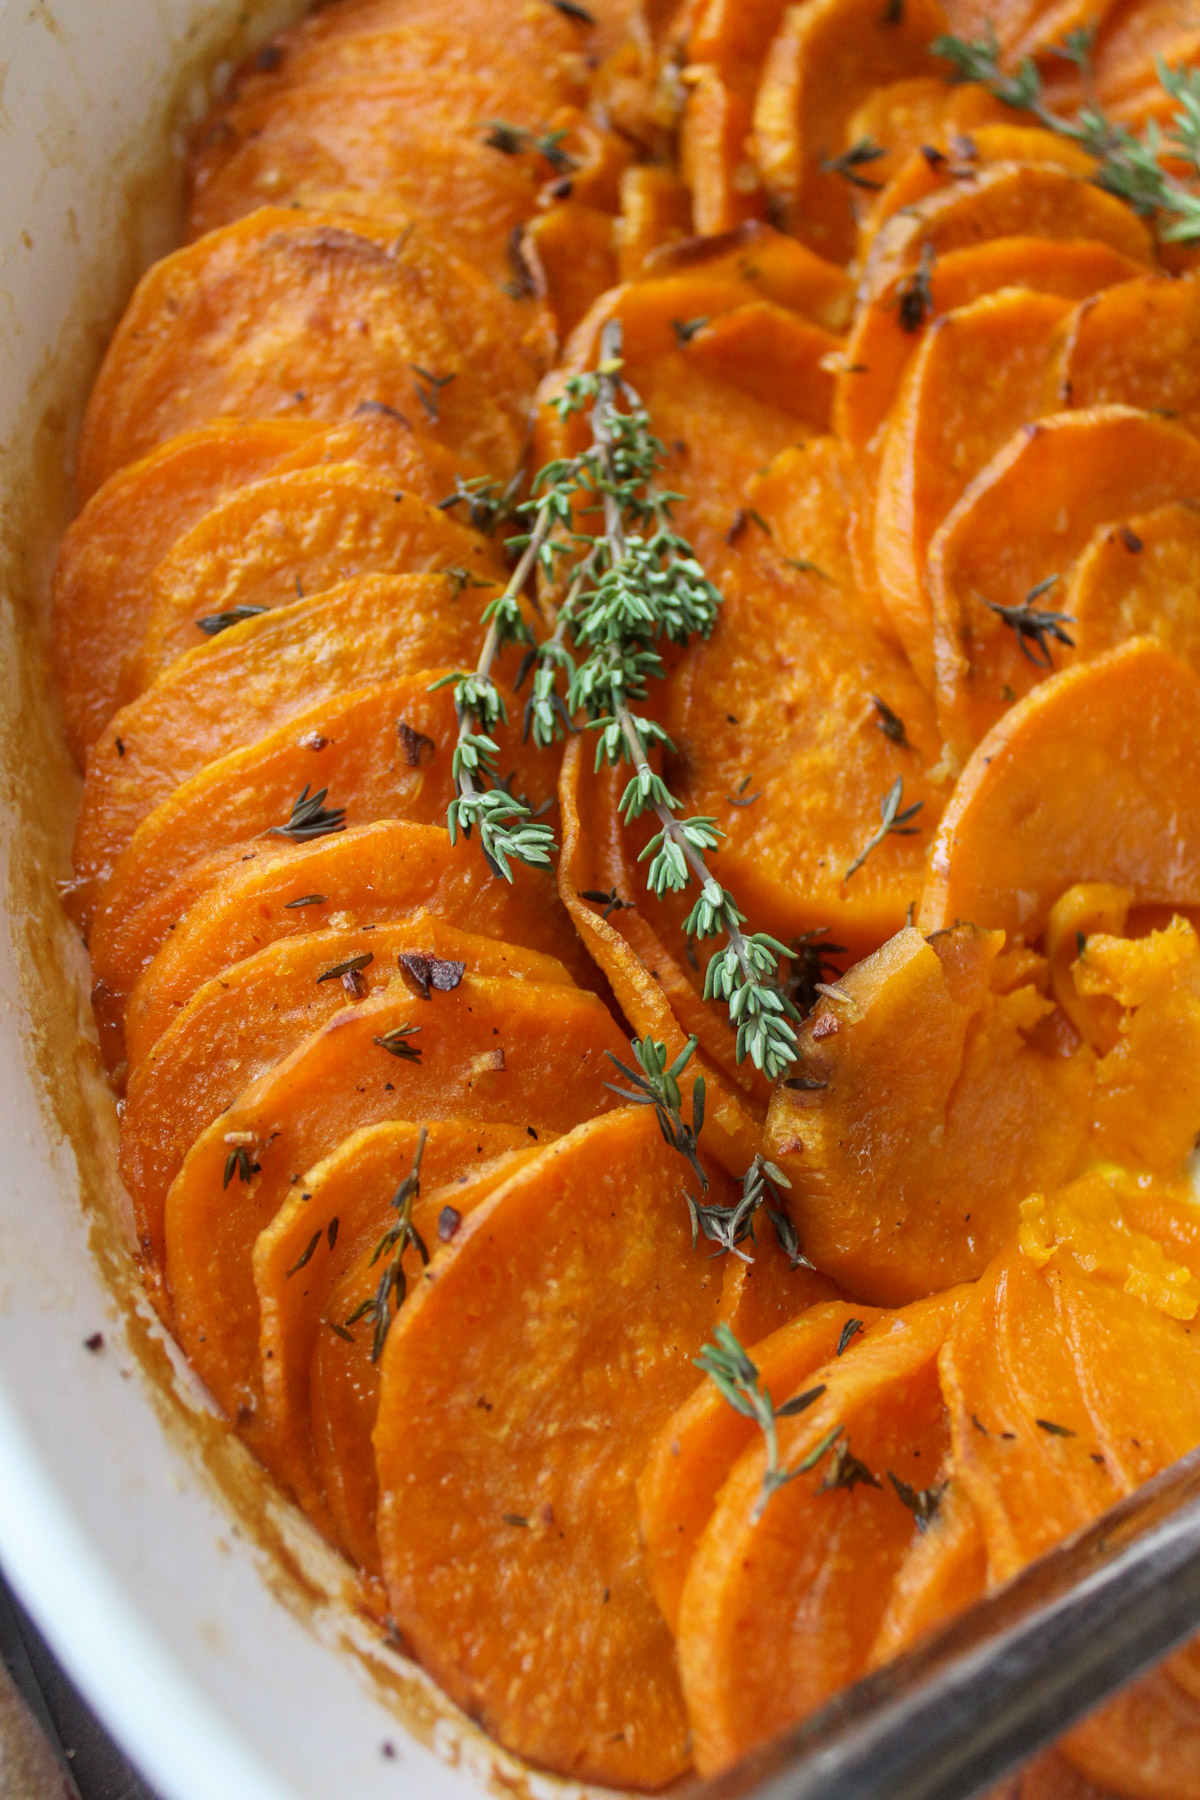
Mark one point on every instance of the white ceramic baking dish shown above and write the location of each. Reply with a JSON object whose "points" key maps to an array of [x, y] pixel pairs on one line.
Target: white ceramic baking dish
{"points": [[200, 1616]]}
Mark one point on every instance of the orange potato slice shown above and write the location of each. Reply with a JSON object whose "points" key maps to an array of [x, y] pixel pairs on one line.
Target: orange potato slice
{"points": [[265, 317], [766, 351], [1024, 27], [1139, 579], [505, 1052], [734, 36], [236, 688], [351, 1190], [694, 1452], [488, 21], [1025, 518], [542, 1508], [758, 1297], [570, 246], [656, 209], [1134, 34], [1088, 778], [824, 62], [978, 375], [1033, 200], [1145, 1742], [715, 155], [252, 1015], [290, 536], [352, 745], [938, 1108], [805, 496], [880, 345], [1135, 344], [772, 267], [994, 139], [944, 1571], [339, 1475], [368, 875], [811, 1572]]}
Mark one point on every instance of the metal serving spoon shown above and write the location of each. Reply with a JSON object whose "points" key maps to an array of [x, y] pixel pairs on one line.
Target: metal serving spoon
{"points": [[971, 1702]]}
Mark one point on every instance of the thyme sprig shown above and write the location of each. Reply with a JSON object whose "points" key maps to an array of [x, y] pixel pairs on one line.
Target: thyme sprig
{"points": [[1035, 625], [893, 822], [729, 1227], [737, 1380], [310, 818], [392, 1287], [851, 161], [656, 1083], [1129, 163]]}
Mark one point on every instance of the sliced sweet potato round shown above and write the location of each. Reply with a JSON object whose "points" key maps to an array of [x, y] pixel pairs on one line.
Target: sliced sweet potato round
{"points": [[771, 265], [265, 317], [978, 375], [811, 1571], [1003, 200], [1135, 344], [944, 1571], [715, 154], [806, 496], [768, 352], [538, 1364], [289, 536], [898, 118], [1139, 579], [343, 1378], [886, 332], [656, 209], [570, 248], [824, 61], [1024, 519], [1088, 778], [1025, 27], [234, 689], [252, 1015], [351, 1191], [693, 1454], [378, 752], [732, 35], [506, 1052], [760, 1295], [996, 140], [937, 1108], [1133, 36], [365, 876]]}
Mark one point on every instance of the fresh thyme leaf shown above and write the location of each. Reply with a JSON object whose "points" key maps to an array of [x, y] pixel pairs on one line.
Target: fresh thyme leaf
{"points": [[922, 1503], [890, 723], [516, 140], [741, 798], [239, 1162], [571, 9], [736, 1379], [396, 1043], [462, 578], [392, 1287], [913, 298], [806, 1084], [686, 329], [306, 1255], [305, 900], [849, 1332], [310, 818], [789, 1241], [819, 1450], [846, 1471], [728, 1227], [427, 388], [848, 164], [800, 1403], [655, 1082], [351, 966], [1035, 625], [347, 1337], [488, 503], [611, 902], [894, 822], [212, 624], [1055, 1430]]}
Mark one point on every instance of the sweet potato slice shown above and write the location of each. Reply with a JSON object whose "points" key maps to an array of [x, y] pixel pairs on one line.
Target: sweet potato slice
{"points": [[715, 157], [570, 247], [289, 536], [254, 1014], [881, 340], [759, 1296], [505, 1052], [734, 36], [1135, 344], [1134, 34], [1025, 27], [1025, 518], [805, 496], [656, 209], [1139, 579], [772, 266], [769, 353], [944, 1571], [235, 689], [824, 61], [978, 375], [359, 747], [365, 876], [354, 1185], [811, 1572], [1003, 200], [693, 1454], [265, 317], [939, 1110], [542, 1509], [1088, 778], [998, 140]]}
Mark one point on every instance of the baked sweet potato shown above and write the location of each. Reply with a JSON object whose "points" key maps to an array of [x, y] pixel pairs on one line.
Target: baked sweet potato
{"points": [[570, 248], [767, 352], [806, 496], [367, 875], [538, 1364], [290, 536], [1025, 27], [1134, 344], [771, 267], [938, 1105], [656, 209], [505, 1052], [360, 747], [991, 140], [732, 35], [1088, 778], [824, 61], [811, 1572], [265, 317], [715, 155], [759, 1296], [886, 333], [1139, 579], [1023, 520], [978, 375], [944, 1571], [234, 689], [238, 1025], [694, 1452]]}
